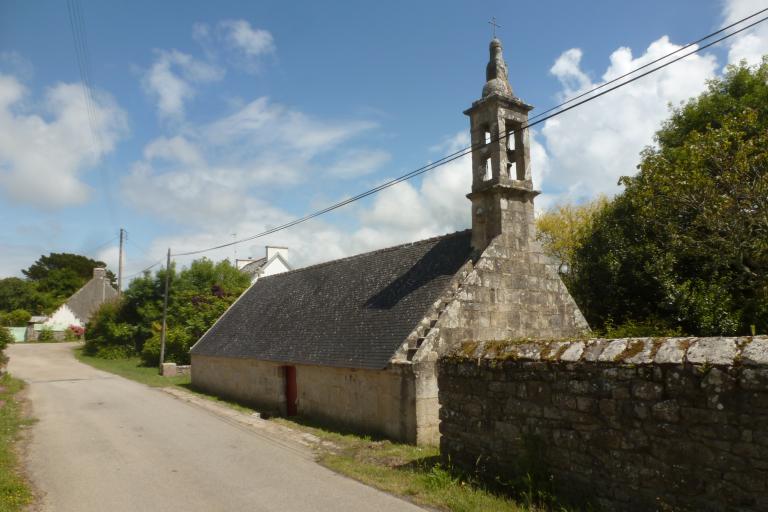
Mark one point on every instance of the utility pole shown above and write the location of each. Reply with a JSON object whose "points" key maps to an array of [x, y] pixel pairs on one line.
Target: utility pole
{"points": [[165, 310], [120, 264]]}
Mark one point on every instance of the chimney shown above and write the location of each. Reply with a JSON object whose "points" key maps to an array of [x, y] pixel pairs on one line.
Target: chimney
{"points": [[274, 251]]}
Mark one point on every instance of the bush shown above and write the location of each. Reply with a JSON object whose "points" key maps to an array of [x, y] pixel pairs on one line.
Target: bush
{"points": [[177, 344], [650, 327], [114, 352], [74, 333], [16, 318], [46, 335], [107, 334], [6, 338]]}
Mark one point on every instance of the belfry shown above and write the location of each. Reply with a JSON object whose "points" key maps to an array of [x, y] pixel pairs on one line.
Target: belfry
{"points": [[502, 190]]}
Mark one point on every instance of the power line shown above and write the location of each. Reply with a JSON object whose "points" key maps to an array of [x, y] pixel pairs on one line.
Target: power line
{"points": [[469, 149], [82, 55], [144, 270], [709, 36], [94, 249]]}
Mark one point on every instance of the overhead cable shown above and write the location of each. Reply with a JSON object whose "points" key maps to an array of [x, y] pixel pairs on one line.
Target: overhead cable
{"points": [[560, 109]]}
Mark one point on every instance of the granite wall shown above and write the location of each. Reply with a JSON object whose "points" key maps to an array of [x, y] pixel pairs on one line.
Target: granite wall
{"points": [[374, 401], [630, 424]]}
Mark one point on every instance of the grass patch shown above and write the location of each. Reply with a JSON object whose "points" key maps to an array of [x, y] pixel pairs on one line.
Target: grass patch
{"points": [[414, 472], [131, 368], [15, 493]]}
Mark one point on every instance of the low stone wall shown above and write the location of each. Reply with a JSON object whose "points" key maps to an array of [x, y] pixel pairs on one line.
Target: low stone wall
{"points": [[631, 424]]}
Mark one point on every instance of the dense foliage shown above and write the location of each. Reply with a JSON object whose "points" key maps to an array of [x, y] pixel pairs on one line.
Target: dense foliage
{"points": [[6, 338], [49, 282], [685, 246], [198, 296]]}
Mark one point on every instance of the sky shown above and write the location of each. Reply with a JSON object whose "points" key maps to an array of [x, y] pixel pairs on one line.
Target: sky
{"points": [[192, 124]]}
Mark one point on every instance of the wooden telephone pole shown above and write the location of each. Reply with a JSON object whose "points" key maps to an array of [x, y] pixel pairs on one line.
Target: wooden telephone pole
{"points": [[165, 310], [120, 264]]}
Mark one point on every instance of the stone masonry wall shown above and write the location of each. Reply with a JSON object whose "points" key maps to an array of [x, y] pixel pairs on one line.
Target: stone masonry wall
{"points": [[375, 401], [630, 424]]}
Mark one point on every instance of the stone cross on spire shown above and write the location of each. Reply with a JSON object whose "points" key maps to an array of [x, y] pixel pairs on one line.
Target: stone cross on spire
{"points": [[495, 26]]}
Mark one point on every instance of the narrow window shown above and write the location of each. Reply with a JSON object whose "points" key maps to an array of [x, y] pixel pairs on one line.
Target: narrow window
{"points": [[488, 173]]}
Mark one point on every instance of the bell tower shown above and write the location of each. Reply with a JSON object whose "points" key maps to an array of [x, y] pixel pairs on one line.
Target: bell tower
{"points": [[502, 190]]}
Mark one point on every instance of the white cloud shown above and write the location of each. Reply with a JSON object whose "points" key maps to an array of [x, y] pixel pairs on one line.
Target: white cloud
{"points": [[359, 162], [172, 77], [241, 44], [175, 149], [752, 44], [251, 42], [216, 171], [590, 147], [43, 154]]}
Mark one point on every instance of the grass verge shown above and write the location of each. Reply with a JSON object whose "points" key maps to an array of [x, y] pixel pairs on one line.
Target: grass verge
{"points": [[15, 493], [413, 472], [131, 368]]}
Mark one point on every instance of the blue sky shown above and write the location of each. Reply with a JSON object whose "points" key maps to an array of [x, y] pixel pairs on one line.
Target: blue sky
{"points": [[212, 121]]}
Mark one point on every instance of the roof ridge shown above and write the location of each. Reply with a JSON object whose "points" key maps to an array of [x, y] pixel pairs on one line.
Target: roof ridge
{"points": [[377, 251]]}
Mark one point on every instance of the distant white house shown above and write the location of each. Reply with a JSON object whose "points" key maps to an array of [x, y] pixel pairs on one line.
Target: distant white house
{"points": [[274, 262], [83, 303]]}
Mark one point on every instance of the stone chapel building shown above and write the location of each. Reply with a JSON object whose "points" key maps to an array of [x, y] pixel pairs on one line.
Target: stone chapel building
{"points": [[354, 341]]}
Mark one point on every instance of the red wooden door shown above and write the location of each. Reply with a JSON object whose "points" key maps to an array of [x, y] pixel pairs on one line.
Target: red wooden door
{"points": [[291, 392]]}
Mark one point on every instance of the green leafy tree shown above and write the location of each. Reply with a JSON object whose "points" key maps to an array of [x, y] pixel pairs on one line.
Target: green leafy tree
{"points": [[62, 274], [21, 294], [198, 296], [202, 293], [562, 230], [15, 318], [686, 244]]}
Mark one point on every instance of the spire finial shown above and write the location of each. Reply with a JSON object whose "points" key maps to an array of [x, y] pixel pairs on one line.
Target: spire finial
{"points": [[497, 80], [494, 25]]}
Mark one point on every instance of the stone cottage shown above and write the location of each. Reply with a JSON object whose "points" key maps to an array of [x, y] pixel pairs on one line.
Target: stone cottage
{"points": [[354, 341], [83, 303]]}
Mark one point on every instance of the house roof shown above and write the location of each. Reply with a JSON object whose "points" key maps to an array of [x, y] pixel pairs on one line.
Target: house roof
{"points": [[85, 301], [253, 267], [353, 312]]}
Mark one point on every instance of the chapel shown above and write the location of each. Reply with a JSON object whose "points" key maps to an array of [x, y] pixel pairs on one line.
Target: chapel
{"points": [[354, 341]]}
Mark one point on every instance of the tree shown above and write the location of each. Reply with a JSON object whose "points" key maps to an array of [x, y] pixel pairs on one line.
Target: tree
{"points": [[18, 293], [686, 243], [62, 274], [16, 318], [562, 229], [198, 296]]}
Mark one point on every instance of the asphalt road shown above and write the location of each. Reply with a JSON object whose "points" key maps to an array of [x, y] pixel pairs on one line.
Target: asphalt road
{"points": [[106, 443]]}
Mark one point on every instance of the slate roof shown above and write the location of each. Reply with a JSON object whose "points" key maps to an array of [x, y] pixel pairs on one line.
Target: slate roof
{"points": [[253, 267], [353, 312], [85, 301]]}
